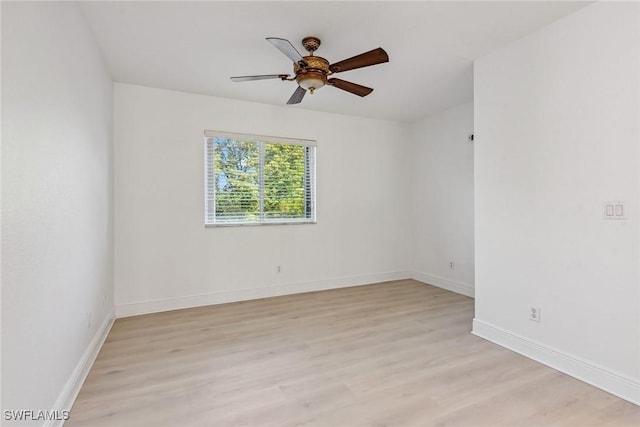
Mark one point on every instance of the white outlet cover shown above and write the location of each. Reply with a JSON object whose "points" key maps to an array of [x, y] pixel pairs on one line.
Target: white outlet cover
{"points": [[535, 314]]}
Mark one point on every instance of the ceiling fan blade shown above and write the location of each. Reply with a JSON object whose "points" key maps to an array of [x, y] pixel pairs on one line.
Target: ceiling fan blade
{"points": [[356, 89], [373, 57], [261, 77], [285, 46], [297, 96]]}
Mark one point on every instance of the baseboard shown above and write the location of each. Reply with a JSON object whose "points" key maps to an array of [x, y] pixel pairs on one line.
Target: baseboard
{"points": [[441, 282], [611, 382], [74, 383], [146, 307]]}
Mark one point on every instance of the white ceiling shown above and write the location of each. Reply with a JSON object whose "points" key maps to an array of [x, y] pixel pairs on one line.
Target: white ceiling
{"points": [[196, 46]]}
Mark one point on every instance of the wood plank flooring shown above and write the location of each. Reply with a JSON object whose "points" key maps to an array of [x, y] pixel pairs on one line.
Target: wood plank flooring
{"points": [[390, 354]]}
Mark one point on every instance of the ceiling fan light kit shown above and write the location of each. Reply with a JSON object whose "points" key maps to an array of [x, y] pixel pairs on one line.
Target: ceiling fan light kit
{"points": [[311, 80], [311, 72], [312, 75]]}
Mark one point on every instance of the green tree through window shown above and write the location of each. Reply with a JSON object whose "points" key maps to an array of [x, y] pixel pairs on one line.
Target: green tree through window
{"points": [[250, 181], [237, 192], [284, 189]]}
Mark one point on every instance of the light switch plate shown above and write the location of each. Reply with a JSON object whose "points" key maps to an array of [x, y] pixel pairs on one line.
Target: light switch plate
{"points": [[614, 210]]}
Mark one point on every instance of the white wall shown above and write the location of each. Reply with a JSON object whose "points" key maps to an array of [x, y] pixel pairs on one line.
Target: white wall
{"points": [[166, 259], [442, 199], [56, 202], [557, 134]]}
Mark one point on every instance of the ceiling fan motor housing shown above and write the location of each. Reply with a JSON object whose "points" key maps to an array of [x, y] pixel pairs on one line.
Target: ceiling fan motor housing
{"points": [[313, 75]]}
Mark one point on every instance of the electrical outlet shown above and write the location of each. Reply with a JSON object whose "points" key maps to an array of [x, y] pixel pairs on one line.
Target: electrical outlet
{"points": [[452, 265], [535, 314], [278, 268]]}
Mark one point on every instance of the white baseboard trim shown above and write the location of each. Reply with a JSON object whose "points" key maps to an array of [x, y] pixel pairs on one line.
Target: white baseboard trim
{"points": [[146, 307], [611, 382], [68, 395], [441, 282]]}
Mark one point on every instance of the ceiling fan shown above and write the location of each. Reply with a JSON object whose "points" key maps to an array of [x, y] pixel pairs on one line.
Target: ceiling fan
{"points": [[312, 72]]}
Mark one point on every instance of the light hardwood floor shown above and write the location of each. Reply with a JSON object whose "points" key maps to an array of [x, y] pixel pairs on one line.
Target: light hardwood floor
{"points": [[390, 354]]}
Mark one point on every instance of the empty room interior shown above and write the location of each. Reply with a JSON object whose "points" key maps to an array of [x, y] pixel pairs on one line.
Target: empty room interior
{"points": [[316, 213]]}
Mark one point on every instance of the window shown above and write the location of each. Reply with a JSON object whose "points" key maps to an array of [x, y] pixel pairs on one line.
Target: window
{"points": [[253, 179]]}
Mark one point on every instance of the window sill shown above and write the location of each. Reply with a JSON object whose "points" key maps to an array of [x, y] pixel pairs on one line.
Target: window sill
{"points": [[257, 224]]}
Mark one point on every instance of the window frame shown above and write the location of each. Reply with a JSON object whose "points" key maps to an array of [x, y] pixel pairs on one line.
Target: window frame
{"points": [[209, 138]]}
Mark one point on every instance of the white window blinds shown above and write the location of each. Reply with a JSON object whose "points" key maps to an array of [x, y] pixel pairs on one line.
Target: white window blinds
{"points": [[253, 179]]}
